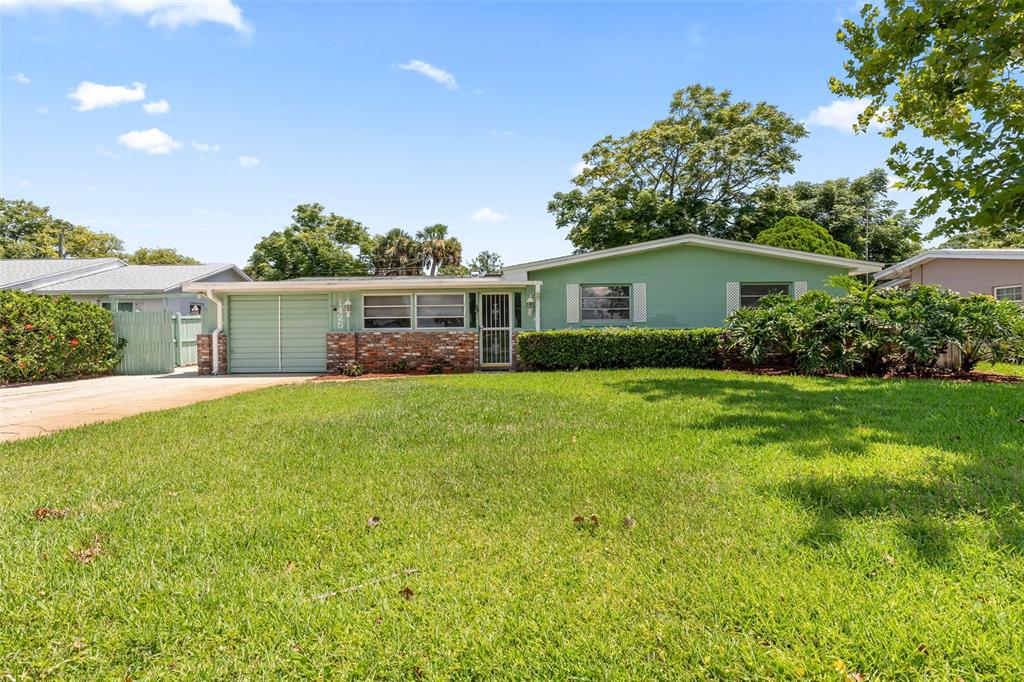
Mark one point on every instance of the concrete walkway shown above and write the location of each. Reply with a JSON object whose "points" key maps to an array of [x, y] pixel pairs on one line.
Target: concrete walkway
{"points": [[27, 411]]}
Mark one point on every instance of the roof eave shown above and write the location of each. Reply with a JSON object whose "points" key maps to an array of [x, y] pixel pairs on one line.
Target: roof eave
{"points": [[853, 266], [382, 284]]}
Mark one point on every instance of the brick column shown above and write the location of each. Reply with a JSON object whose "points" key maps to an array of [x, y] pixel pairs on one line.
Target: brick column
{"points": [[204, 346], [341, 348]]}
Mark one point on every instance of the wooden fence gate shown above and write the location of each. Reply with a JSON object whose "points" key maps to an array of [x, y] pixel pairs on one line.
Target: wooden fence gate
{"points": [[156, 340]]}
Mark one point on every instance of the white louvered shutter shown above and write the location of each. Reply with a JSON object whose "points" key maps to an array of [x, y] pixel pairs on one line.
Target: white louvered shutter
{"points": [[799, 289], [572, 303], [639, 301], [732, 297]]}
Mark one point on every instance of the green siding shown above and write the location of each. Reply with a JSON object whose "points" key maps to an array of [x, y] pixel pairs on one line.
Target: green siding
{"points": [[685, 284], [257, 344]]}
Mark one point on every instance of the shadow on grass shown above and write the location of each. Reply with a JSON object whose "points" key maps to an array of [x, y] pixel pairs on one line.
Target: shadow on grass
{"points": [[852, 418]]}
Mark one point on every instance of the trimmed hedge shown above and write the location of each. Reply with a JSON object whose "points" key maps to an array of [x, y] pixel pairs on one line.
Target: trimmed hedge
{"points": [[615, 348], [43, 338]]}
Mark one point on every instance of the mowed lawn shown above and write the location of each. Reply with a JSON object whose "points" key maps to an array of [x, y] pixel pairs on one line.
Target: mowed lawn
{"points": [[784, 528]]}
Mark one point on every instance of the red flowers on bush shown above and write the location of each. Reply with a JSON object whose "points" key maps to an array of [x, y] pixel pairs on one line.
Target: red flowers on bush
{"points": [[74, 338]]}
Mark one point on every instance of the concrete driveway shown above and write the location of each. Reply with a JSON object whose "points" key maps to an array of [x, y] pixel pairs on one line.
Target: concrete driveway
{"points": [[27, 411]]}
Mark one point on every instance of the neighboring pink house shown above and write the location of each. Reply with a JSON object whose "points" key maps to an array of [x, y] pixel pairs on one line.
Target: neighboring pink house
{"points": [[996, 272]]}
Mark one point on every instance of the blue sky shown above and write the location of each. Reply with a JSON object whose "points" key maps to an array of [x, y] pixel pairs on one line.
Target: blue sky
{"points": [[397, 115]]}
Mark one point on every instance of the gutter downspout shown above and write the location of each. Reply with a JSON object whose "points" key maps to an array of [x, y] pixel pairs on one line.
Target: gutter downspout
{"points": [[216, 332]]}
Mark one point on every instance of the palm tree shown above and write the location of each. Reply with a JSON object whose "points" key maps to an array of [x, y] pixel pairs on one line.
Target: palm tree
{"points": [[438, 249], [395, 253]]}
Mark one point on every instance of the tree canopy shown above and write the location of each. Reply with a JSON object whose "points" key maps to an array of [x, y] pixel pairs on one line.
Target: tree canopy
{"points": [[794, 232], [315, 244], [856, 212], [437, 249], [955, 72], [485, 263], [28, 230], [159, 256], [689, 172]]}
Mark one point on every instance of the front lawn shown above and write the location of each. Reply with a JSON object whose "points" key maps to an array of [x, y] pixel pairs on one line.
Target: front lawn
{"points": [[784, 527]]}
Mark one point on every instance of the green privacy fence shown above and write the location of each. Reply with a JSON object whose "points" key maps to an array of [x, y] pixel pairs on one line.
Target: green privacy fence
{"points": [[185, 330], [156, 340]]}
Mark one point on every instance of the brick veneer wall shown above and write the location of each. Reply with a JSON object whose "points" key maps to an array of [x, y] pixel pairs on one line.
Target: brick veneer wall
{"points": [[451, 351], [204, 344]]}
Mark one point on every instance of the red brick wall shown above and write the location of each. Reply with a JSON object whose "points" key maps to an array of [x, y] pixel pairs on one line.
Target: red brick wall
{"points": [[204, 343], [450, 351]]}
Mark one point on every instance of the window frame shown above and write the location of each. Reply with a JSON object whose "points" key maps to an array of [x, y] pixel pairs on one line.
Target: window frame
{"points": [[608, 320], [788, 285], [413, 317], [410, 305], [416, 309], [121, 303], [995, 292]]}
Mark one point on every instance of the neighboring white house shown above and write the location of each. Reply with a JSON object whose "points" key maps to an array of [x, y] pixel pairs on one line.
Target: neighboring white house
{"points": [[116, 285]]}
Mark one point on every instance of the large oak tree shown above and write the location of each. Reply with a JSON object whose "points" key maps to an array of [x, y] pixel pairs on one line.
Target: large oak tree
{"points": [[690, 172]]}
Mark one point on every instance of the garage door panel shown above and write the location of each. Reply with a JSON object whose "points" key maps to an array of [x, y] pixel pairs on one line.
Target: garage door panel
{"points": [[258, 344]]}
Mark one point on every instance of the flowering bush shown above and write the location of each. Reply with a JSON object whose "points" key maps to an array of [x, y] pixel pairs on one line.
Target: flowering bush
{"points": [[44, 338]]}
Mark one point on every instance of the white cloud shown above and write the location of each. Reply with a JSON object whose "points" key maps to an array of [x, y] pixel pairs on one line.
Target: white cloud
{"points": [[95, 96], [169, 13], [434, 73], [502, 133], [841, 115], [203, 147], [160, 107], [43, 110], [488, 215], [24, 183], [152, 141], [21, 78], [579, 167], [106, 152], [248, 161]]}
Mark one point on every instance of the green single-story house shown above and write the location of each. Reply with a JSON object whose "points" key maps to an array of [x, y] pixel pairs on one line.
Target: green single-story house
{"points": [[469, 323]]}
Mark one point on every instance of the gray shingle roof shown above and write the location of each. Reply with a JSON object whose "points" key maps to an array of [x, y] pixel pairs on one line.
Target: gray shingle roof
{"points": [[138, 279], [23, 271]]}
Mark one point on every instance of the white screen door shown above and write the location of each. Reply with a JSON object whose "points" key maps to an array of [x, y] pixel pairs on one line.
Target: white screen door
{"points": [[495, 331]]}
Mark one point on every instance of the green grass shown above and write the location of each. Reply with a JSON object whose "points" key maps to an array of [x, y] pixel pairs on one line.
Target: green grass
{"points": [[785, 527], [1002, 368]]}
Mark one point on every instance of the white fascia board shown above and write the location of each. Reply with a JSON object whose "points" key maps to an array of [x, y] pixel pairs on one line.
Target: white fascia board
{"points": [[382, 284], [852, 266]]}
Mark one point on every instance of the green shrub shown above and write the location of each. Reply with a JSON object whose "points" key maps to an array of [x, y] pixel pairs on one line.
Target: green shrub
{"points": [[611, 348], [352, 369], [876, 332], [43, 338], [801, 234]]}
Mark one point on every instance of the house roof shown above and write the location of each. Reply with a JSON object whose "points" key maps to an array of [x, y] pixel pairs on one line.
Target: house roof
{"points": [[852, 266], [358, 284], [937, 254], [29, 273], [140, 279]]}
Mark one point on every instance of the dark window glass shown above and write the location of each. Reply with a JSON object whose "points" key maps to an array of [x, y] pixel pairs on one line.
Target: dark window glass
{"points": [[472, 310], [518, 308], [387, 323], [604, 302], [751, 294], [610, 314], [434, 322]]}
